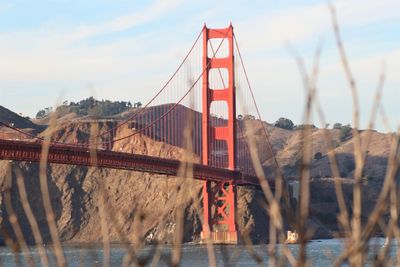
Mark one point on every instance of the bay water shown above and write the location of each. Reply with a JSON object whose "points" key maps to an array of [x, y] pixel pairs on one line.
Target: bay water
{"points": [[319, 253]]}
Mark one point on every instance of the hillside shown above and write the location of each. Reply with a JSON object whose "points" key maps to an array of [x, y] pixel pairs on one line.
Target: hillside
{"points": [[9, 117], [89, 107], [75, 191]]}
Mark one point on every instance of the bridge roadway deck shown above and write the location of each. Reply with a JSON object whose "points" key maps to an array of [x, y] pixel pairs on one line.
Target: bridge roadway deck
{"points": [[74, 155]]}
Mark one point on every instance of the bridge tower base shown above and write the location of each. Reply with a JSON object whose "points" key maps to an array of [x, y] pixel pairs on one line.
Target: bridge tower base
{"points": [[219, 198]]}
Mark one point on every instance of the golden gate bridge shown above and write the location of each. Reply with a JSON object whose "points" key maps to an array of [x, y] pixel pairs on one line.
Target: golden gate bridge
{"points": [[210, 95]]}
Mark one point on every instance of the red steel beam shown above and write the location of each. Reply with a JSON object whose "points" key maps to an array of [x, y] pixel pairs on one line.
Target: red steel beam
{"points": [[70, 155], [219, 226]]}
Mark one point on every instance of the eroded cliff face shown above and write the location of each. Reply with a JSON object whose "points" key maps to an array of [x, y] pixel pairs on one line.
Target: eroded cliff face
{"points": [[145, 206], [139, 205]]}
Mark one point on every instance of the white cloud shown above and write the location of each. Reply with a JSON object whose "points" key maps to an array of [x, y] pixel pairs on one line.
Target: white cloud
{"points": [[301, 24], [44, 53], [275, 76], [153, 11]]}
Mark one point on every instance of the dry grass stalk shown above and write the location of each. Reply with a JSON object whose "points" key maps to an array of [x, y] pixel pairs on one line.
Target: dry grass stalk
{"points": [[310, 89], [357, 259], [250, 247], [281, 188], [273, 208], [94, 129], [13, 219], [156, 257], [394, 216], [343, 217], [31, 218], [185, 172], [343, 214], [381, 204], [58, 251], [117, 223], [385, 119], [10, 243], [274, 218], [245, 233], [106, 211], [276, 222], [374, 110]]}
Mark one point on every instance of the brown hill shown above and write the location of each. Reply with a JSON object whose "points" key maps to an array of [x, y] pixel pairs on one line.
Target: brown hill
{"points": [[152, 201], [75, 194], [9, 117]]}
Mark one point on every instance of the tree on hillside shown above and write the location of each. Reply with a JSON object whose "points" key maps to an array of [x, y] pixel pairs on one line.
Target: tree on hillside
{"points": [[44, 113], [337, 126], [345, 132], [137, 104], [284, 123], [41, 114], [303, 126], [89, 106]]}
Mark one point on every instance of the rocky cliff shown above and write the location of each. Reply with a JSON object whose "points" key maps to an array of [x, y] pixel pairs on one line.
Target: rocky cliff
{"points": [[151, 201], [145, 206]]}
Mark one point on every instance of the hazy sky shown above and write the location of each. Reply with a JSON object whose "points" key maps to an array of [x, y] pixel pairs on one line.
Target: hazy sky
{"points": [[126, 50]]}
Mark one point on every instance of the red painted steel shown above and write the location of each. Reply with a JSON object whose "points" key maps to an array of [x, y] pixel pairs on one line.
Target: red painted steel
{"points": [[72, 155], [219, 198]]}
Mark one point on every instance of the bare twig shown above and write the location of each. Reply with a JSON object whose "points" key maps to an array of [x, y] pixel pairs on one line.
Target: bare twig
{"points": [[31, 218], [12, 217], [357, 258], [101, 201]]}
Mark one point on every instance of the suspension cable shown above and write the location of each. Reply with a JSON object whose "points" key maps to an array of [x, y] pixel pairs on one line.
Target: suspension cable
{"points": [[152, 124], [258, 111], [132, 116], [159, 92], [20, 131], [176, 104]]}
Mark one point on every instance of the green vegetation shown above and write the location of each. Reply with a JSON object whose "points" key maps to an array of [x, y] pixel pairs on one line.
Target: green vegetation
{"points": [[337, 126], [44, 112], [287, 124], [345, 131], [90, 106], [284, 123]]}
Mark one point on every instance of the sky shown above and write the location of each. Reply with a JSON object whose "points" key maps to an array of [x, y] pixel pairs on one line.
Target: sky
{"points": [[126, 50]]}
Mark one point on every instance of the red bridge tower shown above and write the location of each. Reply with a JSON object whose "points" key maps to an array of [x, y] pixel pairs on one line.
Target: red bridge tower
{"points": [[219, 199]]}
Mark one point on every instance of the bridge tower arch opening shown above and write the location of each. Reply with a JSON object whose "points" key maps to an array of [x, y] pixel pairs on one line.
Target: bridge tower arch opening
{"points": [[219, 198]]}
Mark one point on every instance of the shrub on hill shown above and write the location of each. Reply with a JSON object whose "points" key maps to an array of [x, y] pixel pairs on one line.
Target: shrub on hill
{"points": [[303, 126], [44, 112], [337, 126], [90, 106], [94, 107], [345, 131], [284, 123]]}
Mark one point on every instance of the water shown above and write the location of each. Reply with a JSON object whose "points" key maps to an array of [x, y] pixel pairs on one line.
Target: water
{"points": [[320, 253]]}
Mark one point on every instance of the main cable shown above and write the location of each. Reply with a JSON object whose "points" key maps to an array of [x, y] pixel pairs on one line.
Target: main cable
{"points": [[180, 100], [257, 109]]}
